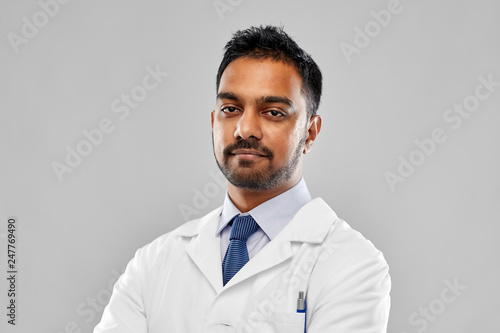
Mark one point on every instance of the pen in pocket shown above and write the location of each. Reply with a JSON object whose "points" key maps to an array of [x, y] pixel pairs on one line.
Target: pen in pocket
{"points": [[302, 306]]}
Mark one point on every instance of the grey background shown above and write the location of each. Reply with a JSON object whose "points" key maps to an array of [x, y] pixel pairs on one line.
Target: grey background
{"points": [[76, 235]]}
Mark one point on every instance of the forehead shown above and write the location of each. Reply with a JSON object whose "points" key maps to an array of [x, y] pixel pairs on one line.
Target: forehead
{"points": [[254, 78]]}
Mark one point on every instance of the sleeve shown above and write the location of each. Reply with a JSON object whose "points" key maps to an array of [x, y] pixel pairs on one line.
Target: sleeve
{"points": [[125, 311], [354, 300]]}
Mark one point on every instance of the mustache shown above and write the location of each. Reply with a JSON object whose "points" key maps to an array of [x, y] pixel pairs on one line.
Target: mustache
{"points": [[247, 144]]}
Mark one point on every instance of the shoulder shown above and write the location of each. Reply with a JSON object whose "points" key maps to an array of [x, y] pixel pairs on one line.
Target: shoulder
{"points": [[348, 260], [352, 248], [350, 282], [346, 245], [168, 242]]}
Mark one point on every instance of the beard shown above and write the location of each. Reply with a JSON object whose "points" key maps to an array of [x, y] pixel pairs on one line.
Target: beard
{"points": [[244, 177]]}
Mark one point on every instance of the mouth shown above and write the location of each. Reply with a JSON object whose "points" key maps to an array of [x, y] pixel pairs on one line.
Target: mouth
{"points": [[248, 153]]}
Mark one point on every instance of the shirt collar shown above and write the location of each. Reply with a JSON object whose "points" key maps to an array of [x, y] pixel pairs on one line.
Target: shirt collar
{"points": [[274, 214]]}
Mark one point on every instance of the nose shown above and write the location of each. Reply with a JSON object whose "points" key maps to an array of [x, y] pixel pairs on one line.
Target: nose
{"points": [[248, 126]]}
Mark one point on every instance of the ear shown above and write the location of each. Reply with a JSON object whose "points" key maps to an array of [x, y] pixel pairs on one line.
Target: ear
{"points": [[212, 114], [314, 127]]}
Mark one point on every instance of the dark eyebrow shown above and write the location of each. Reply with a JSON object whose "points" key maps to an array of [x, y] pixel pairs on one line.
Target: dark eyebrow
{"points": [[228, 95], [276, 99], [263, 100]]}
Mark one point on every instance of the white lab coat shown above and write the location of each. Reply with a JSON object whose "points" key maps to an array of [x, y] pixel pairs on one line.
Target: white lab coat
{"points": [[174, 284]]}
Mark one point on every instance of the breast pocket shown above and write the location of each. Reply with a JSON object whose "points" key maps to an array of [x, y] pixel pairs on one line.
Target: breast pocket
{"points": [[280, 322]]}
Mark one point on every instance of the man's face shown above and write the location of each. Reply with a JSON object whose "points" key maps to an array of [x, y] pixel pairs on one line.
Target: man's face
{"points": [[260, 124]]}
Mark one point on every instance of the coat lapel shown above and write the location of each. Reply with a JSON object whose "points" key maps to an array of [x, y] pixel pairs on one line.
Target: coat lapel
{"points": [[204, 248], [310, 225]]}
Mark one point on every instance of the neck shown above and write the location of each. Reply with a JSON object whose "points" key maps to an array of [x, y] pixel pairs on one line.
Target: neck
{"points": [[246, 200]]}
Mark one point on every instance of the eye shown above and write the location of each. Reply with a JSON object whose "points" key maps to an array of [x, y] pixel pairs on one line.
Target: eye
{"points": [[275, 113], [229, 109]]}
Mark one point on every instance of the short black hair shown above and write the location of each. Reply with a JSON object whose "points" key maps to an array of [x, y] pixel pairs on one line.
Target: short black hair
{"points": [[273, 43]]}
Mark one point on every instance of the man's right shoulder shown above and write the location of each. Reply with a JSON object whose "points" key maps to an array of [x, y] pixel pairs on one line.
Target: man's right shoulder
{"points": [[183, 232]]}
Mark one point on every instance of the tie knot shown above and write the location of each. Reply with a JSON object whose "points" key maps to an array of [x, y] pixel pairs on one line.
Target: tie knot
{"points": [[243, 227]]}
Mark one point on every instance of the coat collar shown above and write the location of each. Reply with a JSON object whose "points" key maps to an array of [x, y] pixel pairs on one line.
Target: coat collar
{"points": [[310, 225]]}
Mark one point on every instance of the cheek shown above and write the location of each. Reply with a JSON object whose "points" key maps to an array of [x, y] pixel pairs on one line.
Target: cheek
{"points": [[285, 150], [286, 141], [220, 137], [282, 150]]}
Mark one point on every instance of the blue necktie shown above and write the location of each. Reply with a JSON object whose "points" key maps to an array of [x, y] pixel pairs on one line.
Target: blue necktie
{"points": [[237, 253]]}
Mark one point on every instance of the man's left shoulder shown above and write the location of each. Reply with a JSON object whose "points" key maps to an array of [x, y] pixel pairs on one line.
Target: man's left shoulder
{"points": [[340, 237]]}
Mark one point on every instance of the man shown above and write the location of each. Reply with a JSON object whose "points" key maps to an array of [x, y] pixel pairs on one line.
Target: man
{"points": [[270, 259]]}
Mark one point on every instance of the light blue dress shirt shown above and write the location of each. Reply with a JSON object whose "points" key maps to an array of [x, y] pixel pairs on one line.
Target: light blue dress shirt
{"points": [[272, 216]]}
